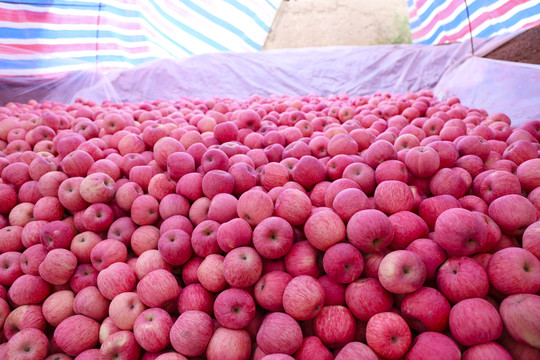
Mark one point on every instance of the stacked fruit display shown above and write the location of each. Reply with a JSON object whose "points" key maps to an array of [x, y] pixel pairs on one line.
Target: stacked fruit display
{"points": [[368, 227]]}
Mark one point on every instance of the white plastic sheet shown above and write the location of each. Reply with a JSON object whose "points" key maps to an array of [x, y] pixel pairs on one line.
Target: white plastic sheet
{"points": [[449, 70]]}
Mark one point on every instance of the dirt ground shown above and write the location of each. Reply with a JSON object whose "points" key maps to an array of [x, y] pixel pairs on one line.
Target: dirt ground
{"points": [[524, 48], [307, 23]]}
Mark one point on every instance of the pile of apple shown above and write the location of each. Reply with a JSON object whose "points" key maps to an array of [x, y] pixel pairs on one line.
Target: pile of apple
{"points": [[368, 227]]}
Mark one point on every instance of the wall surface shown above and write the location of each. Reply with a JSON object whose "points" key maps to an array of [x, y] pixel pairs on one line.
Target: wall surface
{"points": [[307, 23]]}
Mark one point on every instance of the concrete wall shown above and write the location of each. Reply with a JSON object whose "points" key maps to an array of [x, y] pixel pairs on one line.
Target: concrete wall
{"points": [[306, 23]]}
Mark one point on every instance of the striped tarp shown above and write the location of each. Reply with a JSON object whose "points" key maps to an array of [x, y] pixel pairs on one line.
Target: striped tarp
{"points": [[50, 37], [445, 21]]}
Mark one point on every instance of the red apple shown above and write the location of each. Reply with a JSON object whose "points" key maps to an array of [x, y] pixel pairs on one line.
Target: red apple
{"points": [[279, 333], [191, 333], [475, 321], [461, 278], [229, 344], [514, 270], [426, 310], [431, 345], [303, 298], [388, 335], [242, 267], [76, 334], [273, 237], [402, 272]]}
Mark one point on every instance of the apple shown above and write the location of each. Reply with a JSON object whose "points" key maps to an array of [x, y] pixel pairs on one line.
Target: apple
{"points": [[234, 308], [175, 246], [97, 188], [58, 307], [126, 195], [431, 345], [528, 174], [467, 239], [120, 345], [422, 161], [391, 170], [348, 202], [223, 208], [234, 233], [304, 259], [28, 344], [116, 279], [513, 213], [490, 350], [23, 317], [97, 217], [145, 210], [303, 298], [407, 227], [31, 233], [148, 261], [10, 267], [151, 329], [124, 309], [356, 350], [76, 334], [254, 206], [83, 276], [335, 326], [378, 152], [214, 159], [367, 297], [294, 206], [210, 273], [279, 333], [195, 297], [519, 313], [432, 207], [343, 263], [56, 235], [190, 186], [402, 272], [58, 266], [308, 171], [269, 290], [461, 278], [426, 310], [48, 208], [165, 147], [76, 163], [242, 267], [229, 344], [82, 245], [273, 237], [514, 270], [107, 252], [204, 238], [392, 196], [217, 182], [158, 288], [9, 196], [244, 176], [89, 302], [324, 228], [191, 333], [173, 204], [122, 229], [475, 321], [388, 335], [530, 240]]}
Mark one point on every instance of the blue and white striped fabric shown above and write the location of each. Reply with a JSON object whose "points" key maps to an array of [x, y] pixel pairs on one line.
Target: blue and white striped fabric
{"points": [[51, 37], [445, 21]]}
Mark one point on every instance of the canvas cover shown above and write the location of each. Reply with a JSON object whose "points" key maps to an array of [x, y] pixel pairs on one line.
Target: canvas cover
{"points": [[446, 21]]}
